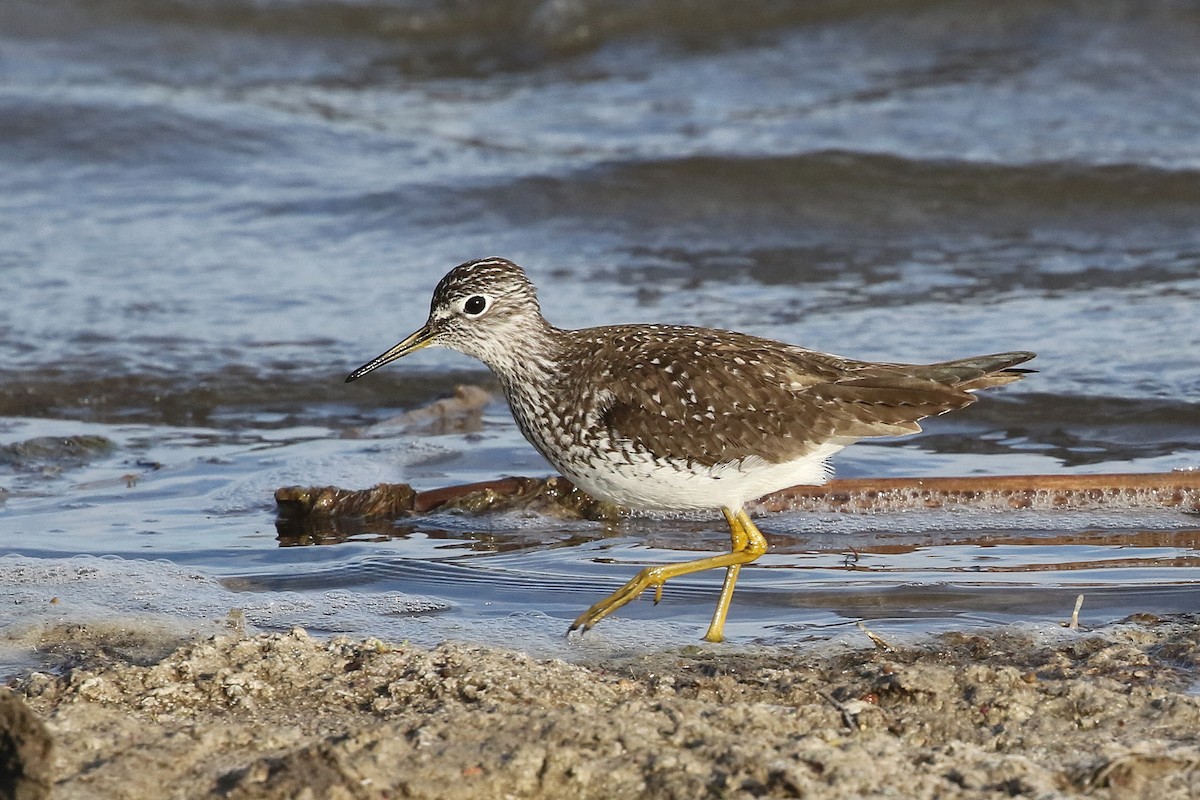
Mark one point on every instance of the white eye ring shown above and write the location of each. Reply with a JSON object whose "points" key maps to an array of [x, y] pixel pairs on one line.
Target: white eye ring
{"points": [[476, 305]]}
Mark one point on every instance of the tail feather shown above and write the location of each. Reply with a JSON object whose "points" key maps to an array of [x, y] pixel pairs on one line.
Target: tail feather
{"points": [[890, 399], [981, 372]]}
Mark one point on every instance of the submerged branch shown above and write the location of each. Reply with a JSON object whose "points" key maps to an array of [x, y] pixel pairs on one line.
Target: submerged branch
{"points": [[1118, 491], [557, 496]]}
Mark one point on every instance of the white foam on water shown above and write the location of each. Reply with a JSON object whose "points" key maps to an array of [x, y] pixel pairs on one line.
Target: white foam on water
{"points": [[160, 598]]}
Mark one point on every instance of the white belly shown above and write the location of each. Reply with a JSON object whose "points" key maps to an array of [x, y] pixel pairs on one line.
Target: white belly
{"points": [[647, 484]]}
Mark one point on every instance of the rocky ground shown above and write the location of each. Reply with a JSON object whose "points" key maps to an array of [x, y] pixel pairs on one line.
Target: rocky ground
{"points": [[1111, 713]]}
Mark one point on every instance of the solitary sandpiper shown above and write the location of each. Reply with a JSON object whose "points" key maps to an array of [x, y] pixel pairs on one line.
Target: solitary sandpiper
{"points": [[679, 418]]}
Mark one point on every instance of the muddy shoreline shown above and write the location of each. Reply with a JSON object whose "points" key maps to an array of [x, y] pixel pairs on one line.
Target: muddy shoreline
{"points": [[1032, 711]]}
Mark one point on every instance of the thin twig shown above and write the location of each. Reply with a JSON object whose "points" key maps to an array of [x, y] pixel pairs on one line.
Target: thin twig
{"points": [[1073, 623], [879, 642]]}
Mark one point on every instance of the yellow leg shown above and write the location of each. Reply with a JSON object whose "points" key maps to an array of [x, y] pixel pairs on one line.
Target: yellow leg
{"points": [[747, 545], [746, 537]]}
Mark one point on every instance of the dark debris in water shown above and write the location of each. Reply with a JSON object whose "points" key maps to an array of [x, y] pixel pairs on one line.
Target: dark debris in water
{"points": [[54, 453], [324, 514], [460, 413], [555, 496], [321, 514], [239, 396]]}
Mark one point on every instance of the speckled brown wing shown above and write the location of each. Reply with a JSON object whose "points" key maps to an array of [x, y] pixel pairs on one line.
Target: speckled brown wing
{"points": [[697, 396]]}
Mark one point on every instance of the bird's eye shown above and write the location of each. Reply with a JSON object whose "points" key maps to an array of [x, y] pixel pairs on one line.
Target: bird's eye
{"points": [[476, 305]]}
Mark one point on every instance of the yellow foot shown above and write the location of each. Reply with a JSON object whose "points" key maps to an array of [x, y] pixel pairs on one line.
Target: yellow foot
{"points": [[651, 576], [748, 544]]}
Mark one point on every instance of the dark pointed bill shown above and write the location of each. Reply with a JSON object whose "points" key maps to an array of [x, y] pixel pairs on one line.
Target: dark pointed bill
{"points": [[422, 338]]}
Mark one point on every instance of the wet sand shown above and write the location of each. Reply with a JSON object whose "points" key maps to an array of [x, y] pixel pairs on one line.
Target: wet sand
{"points": [[1018, 711]]}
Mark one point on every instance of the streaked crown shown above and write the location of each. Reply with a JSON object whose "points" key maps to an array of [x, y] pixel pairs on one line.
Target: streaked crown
{"points": [[487, 309]]}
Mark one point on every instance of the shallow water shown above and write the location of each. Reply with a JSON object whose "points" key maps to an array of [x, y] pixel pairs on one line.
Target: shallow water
{"points": [[211, 211]]}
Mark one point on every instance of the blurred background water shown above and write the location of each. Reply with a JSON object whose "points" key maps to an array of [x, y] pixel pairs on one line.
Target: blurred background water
{"points": [[212, 210]]}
